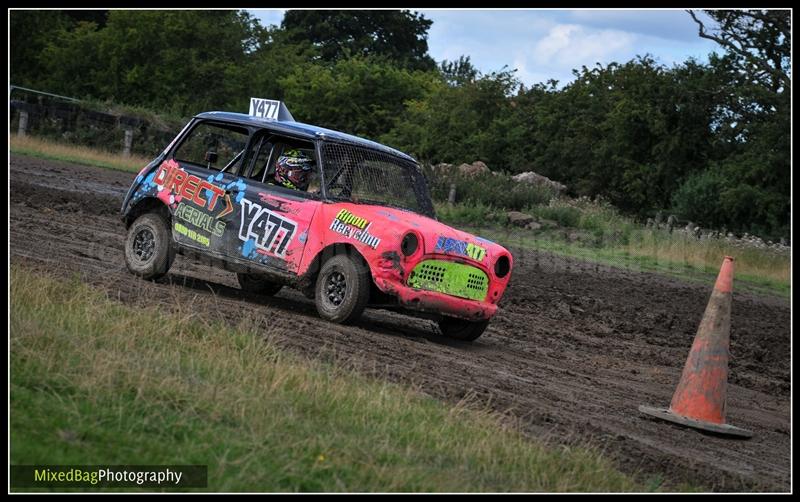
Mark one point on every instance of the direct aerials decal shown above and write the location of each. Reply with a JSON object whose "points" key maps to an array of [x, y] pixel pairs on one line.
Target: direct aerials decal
{"points": [[200, 219], [173, 185]]}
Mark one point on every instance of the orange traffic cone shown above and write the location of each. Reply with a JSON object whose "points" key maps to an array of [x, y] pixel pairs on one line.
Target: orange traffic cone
{"points": [[699, 399]]}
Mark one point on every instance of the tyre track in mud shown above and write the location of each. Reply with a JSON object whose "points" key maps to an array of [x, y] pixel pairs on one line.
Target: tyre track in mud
{"points": [[572, 353]]}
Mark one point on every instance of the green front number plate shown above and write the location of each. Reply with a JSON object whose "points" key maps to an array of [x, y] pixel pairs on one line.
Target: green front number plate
{"points": [[450, 278]]}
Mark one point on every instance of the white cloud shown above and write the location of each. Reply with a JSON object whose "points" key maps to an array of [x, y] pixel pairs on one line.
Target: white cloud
{"points": [[545, 44], [574, 45], [670, 24]]}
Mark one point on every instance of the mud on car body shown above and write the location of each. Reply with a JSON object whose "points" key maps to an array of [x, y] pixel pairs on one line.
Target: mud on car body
{"points": [[363, 233]]}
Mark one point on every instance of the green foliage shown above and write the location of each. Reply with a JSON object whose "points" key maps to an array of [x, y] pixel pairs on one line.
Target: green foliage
{"points": [[459, 123], [459, 72], [719, 197], [487, 189], [758, 42], [179, 61], [30, 32], [752, 120], [399, 37], [698, 197], [619, 131], [274, 58], [565, 216], [471, 214], [359, 96]]}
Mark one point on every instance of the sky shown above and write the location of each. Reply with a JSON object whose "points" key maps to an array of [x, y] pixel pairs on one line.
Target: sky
{"points": [[548, 44]]}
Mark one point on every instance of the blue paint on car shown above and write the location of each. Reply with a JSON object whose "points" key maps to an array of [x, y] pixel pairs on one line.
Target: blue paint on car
{"points": [[248, 248]]}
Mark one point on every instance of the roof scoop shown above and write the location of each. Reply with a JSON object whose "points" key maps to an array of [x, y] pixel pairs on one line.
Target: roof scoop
{"points": [[270, 109]]}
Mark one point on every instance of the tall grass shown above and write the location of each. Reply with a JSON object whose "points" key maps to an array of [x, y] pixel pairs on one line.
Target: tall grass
{"points": [[595, 231], [707, 254], [48, 149], [487, 189], [96, 382], [472, 214], [621, 234]]}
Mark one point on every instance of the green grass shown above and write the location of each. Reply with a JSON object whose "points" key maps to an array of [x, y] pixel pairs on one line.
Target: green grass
{"points": [[96, 382], [597, 233], [46, 149], [646, 255]]}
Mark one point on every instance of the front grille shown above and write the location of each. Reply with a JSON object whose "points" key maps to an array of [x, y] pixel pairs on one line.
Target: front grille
{"points": [[451, 278]]}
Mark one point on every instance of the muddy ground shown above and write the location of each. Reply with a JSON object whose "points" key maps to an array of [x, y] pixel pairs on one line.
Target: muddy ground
{"points": [[572, 353]]}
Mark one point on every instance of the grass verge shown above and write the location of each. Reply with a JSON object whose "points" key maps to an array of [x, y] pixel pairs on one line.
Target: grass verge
{"points": [[96, 382], [46, 149], [643, 259], [602, 236]]}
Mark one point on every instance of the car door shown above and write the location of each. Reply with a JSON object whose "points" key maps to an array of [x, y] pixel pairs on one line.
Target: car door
{"points": [[199, 183], [272, 222]]}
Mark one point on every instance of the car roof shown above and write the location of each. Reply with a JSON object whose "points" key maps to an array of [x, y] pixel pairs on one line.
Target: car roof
{"points": [[306, 131]]}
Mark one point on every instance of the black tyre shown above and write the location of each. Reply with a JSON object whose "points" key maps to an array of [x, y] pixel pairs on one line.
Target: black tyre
{"points": [[342, 289], [149, 251], [459, 329], [253, 283]]}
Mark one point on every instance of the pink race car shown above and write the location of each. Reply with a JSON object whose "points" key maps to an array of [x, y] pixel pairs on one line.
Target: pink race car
{"points": [[347, 221]]}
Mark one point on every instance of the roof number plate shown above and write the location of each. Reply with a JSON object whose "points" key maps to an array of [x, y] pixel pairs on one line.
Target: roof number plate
{"points": [[265, 108]]}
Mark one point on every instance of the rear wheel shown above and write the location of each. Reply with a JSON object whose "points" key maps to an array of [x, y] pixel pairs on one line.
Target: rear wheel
{"points": [[253, 283], [342, 289], [460, 329], [149, 251]]}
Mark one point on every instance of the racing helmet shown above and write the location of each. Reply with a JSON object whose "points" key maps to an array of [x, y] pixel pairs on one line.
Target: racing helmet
{"points": [[293, 169]]}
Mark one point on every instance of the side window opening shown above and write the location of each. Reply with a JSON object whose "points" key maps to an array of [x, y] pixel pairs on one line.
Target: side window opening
{"points": [[258, 157], [214, 146], [283, 145]]}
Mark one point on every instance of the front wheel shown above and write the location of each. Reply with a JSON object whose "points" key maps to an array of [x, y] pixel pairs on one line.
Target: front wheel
{"points": [[460, 329], [342, 289], [148, 248]]}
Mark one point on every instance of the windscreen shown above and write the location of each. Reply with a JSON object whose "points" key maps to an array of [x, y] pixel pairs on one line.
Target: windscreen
{"points": [[365, 175]]}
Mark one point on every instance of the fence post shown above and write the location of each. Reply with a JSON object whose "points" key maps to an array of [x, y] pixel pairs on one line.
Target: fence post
{"points": [[23, 123], [451, 197], [128, 141]]}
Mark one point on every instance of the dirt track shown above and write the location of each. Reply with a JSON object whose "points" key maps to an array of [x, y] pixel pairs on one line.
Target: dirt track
{"points": [[574, 350]]}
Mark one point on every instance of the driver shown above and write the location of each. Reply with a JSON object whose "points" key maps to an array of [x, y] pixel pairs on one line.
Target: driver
{"points": [[293, 169]]}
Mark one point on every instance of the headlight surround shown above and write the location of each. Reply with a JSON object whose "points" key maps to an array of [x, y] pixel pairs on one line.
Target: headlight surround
{"points": [[502, 266], [410, 244]]}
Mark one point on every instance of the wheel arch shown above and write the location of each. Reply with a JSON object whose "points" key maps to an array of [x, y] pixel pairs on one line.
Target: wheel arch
{"points": [[147, 205], [309, 277]]}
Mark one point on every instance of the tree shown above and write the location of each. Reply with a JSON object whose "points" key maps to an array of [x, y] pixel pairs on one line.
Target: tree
{"points": [[29, 33], [181, 62], [274, 58], [629, 131], [760, 41], [459, 123], [361, 96], [752, 121], [459, 72], [98, 17], [399, 36]]}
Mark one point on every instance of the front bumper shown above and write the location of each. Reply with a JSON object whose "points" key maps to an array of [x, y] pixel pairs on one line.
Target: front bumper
{"points": [[435, 302]]}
